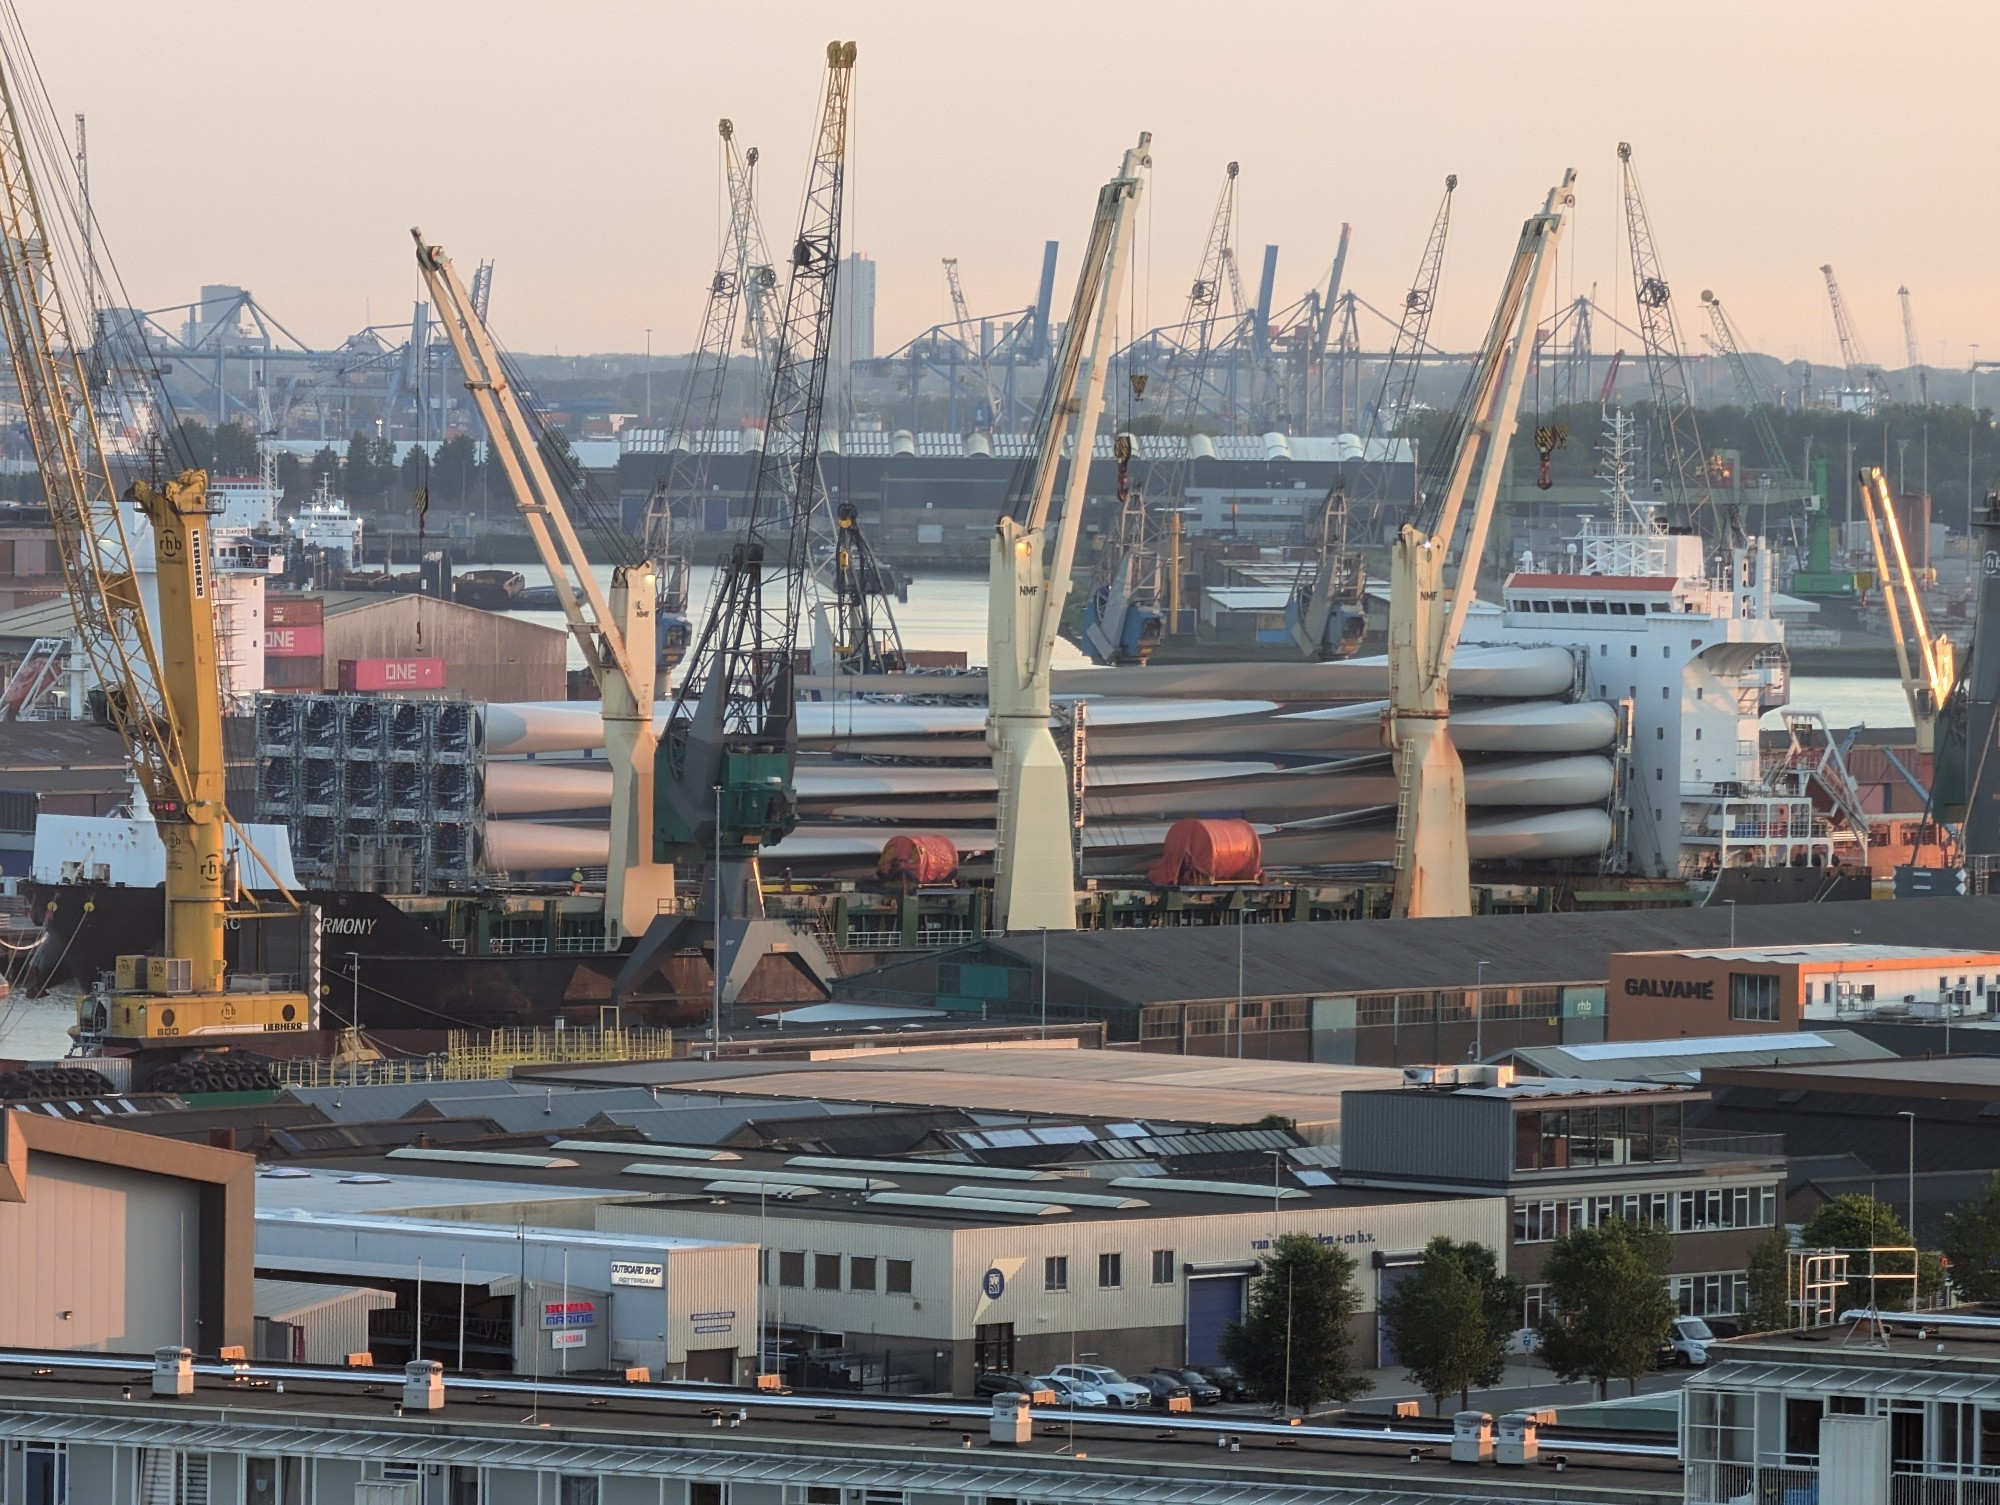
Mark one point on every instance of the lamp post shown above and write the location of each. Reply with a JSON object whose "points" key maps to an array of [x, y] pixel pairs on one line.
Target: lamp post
{"points": [[1730, 904], [1479, 1013], [1239, 986], [1911, 1193], [649, 378], [715, 950], [1045, 982], [1277, 1165]]}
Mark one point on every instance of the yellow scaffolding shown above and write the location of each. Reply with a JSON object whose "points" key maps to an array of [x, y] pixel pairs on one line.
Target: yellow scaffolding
{"points": [[483, 1055]]}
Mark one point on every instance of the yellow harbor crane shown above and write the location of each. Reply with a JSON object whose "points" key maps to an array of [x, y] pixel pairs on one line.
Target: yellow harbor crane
{"points": [[1927, 683], [161, 693]]}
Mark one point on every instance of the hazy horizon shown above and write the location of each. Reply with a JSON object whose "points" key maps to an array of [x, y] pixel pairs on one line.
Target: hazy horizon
{"points": [[576, 147]]}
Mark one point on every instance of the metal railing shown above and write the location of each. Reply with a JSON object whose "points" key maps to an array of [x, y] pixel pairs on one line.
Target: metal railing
{"points": [[1699, 1144]]}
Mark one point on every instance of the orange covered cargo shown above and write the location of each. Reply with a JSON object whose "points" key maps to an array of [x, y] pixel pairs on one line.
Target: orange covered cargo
{"points": [[918, 860], [1209, 851]]}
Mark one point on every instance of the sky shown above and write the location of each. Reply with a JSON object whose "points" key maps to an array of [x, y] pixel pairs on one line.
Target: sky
{"points": [[288, 145]]}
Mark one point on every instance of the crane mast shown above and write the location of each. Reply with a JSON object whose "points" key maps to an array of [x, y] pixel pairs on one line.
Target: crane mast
{"points": [[1406, 353], [1928, 683], [1747, 391], [1426, 615], [1863, 377], [962, 320], [1911, 347], [613, 630], [160, 692], [724, 788], [1686, 462], [1034, 865]]}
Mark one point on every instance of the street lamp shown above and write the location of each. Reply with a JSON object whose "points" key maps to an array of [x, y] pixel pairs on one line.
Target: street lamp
{"points": [[1730, 904], [1912, 1189], [1479, 1013], [1045, 982], [1277, 1165]]}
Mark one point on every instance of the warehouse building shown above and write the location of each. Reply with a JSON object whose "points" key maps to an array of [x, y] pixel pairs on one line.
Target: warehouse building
{"points": [[119, 1242], [1570, 1154], [482, 655]]}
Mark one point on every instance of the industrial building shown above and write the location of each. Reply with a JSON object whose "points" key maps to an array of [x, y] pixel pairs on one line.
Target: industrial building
{"points": [[1572, 1154], [116, 1242]]}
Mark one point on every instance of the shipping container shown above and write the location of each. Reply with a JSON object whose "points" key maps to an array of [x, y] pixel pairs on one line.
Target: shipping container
{"points": [[286, 640], [392, 674], [281, 610]]}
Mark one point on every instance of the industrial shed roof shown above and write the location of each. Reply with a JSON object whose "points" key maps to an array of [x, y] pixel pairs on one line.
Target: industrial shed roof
{"points": [[1685, 1060]]}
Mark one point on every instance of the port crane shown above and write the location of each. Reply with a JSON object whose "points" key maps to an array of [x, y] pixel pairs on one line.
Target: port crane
{"points": [[961, 315], [1034, 860], [1929, 681], [614, 630], [161, 691], [1326, 614], [1914, 350], [724, 789], [1681, 453], [1864, 379], [1723, 336], [1406, 352], [1426, 614]]}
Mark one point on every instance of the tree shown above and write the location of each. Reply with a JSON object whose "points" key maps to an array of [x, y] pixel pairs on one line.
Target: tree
{"points": [[1440, 1325], [1607, 1309], [191, 444], [1856, 1221], [453, 469], [1972, 1244], [235, 449], [358, 478], [1770, 1284], [1293, 1344]]}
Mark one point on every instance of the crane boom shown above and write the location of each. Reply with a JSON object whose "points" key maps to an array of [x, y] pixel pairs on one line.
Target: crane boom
{"points": [[962, 319], [1928, 683], [1433, 867], [1686, 462], [613, 630], [1747, 391], [1864, 378], [1034, 870], [1406, 352], [1913, 349]]}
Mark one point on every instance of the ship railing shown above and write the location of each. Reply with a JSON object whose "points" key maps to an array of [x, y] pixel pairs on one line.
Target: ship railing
{"points": [[517, 945], [572, 944]]}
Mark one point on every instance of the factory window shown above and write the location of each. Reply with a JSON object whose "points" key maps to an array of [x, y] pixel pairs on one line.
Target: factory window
{"points": [[1665, 692], [1603, 649], [896, 1277], [1697, 734], [993, 1346], [1659, 775], [708, 1492], [826, 1272], [1163, 1267], [1160, 1021], [1207, 1019], [791, 1267], [1753, 996], [573, 1489], [1697, 692], [1110, 1271], [1659, 734], [1635, 650], [861, 1273], [1666, 652], [1055, 1273]]}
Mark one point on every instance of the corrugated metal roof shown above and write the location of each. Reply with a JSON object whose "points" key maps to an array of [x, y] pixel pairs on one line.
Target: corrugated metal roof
{"points": [[959, 1206], [282, 1300], [1685, 1060]]}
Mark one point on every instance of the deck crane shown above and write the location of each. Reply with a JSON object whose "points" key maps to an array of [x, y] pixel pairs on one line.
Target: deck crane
{"points": [[1406, 353], [1681, 454], [1034, 862], [961, 315], [724, 788], [864, 638], [1928, 683], [1747, 391], [1914, 350], [1326, 614], [1864, 377], [613, 630], [1433, 863], [698, 413], [161, 692], [1121, 621]]}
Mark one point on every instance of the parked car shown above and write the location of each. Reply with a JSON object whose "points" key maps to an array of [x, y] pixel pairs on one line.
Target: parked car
{"points": [[1201, 1390], [1227, 1380], [995, 1382], [1072, 1392], [1687, 1343], [1118, 1390], [1164, 1389]]}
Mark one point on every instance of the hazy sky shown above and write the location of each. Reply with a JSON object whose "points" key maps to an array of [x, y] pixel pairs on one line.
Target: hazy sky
{"points": [[287, 145]]}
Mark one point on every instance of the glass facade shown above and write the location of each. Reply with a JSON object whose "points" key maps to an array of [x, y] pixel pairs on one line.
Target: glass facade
{"points": [[1561, 1139]]}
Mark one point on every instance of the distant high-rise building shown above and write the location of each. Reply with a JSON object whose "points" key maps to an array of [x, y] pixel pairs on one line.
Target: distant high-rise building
{"points": [[853, 334]]}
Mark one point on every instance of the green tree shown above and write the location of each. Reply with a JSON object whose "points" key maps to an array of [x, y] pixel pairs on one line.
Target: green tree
{"points": [[1439, 1322], [358, 479], [454, 469], [235, 450], [1770, 1284], [1855, 1221], [190, 443], [326, 467], [1503, 1295], [1972, 1244], [294, 477], [1293, 1344], [1607, 1309]]}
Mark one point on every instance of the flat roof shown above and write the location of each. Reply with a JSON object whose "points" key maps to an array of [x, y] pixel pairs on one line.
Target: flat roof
{"points": [[1834, 954], [908, 1444], [1929, 1076]]}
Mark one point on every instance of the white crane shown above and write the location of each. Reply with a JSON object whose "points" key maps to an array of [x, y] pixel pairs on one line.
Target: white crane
{"points": [[1928, 684], [1433, 862], [1034, 869]]}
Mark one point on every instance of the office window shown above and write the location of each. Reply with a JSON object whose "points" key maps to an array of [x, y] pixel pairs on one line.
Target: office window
{"points": [[1055, 1273], [993, 1346], [1163, 1267], [1110, 1271], [861, 1273], [791, 1267], [575, 1489], [897, 1277], [1753, 996], [826, 1272]]}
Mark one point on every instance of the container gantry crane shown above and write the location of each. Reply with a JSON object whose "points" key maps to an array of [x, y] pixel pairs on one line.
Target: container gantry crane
{"points": [[614, 630], [724, 789], [698, 413], [1681, 454], [1426, 615], [1927, 683], [162, 692], [1034, 855]]}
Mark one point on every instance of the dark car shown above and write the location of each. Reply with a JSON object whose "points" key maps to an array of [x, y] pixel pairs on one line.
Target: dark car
{"points": [[1164, 1389], [994, 1382], [1227, 1380], [1200, 1390]]}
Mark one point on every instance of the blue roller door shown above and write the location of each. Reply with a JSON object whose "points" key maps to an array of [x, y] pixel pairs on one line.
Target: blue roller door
{"points": [[1213, 1302]]}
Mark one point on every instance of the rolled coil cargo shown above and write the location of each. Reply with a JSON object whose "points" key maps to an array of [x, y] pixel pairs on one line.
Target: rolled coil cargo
{"points": [[920, 860], [1209, 851]]}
